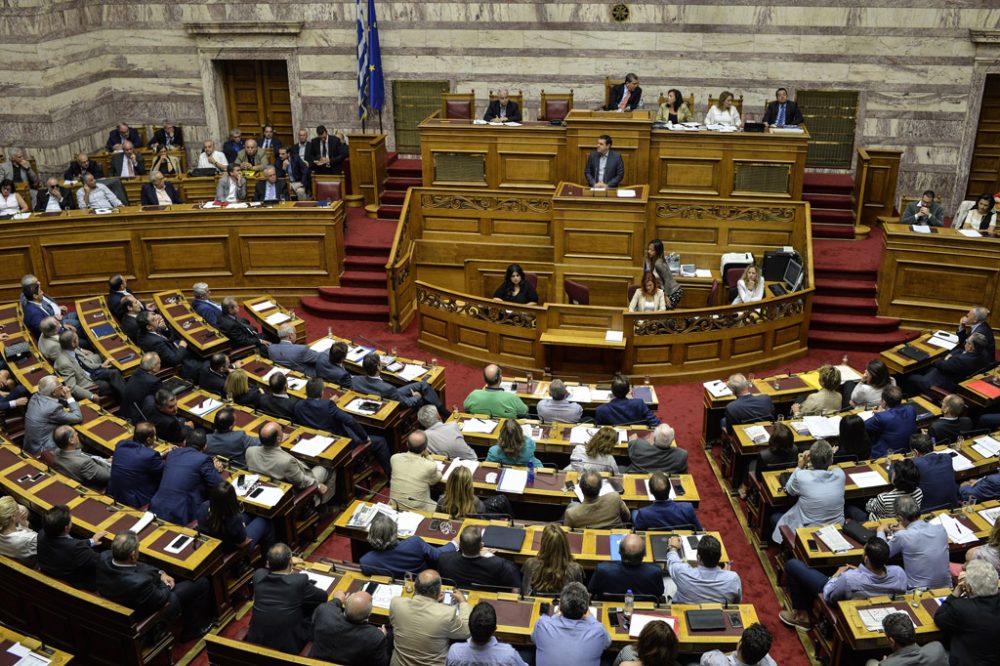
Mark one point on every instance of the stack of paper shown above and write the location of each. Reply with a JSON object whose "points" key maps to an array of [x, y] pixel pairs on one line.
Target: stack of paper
{"points": [[867, 479], [321, 581], [355, 354], [411, 371], [872, 617], [757, 433], [921, 228], [821, 427], [990, 515], [986, 446], [579, 393], [479, 426], [321, 345], [277, 318], [26, 657], [960, 463], [833, 539], [957, 532], [638, 621], [407, 523], [943, 339], [513, 481], [364, 514], [313, 446], [206, 406], [471, 465], [384, 594], [971, 233], [265, 305]]}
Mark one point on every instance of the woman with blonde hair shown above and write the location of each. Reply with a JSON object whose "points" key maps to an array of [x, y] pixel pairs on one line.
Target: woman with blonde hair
{"points": [[238, 389], [17, 540], [648, 299], [553, 567], [723, 113], [459, 500], [750, 286], [597, 454], [514, 447]]}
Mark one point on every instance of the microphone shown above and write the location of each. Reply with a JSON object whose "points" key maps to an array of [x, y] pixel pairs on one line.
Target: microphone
{"points": [[494, 516], [369, 491]]}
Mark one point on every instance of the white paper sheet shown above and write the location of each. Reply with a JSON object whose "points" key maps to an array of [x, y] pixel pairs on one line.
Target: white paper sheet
{"points": [[277, 318], [578, 393], [513, 481], [638, 621], [471, 465], [260, 307], [411, 371], [268, 496], [312, 446], [717, 389], [867, 479], [384, 594], [866, 414], [479, 426], [626, 194], [407, 523], [297, 383], [248, 482], [206, 406], [848, 374], [960, 463], [957, 532], [872, 617], [990, 515], [600, 395], [986, 446], [757, 433], [703, 272], [355, 406], [322, 345], [355, 354], [921, 228], [141, 524], [943, 343], [321, 581], [614, 336], [823, 426], [971, 233], [833, 539], [274, 369]]}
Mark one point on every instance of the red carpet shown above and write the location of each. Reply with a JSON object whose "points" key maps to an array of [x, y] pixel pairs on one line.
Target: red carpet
{"points": [[832, 204]]}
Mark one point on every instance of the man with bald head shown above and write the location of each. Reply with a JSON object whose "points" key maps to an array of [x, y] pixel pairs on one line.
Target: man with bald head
{"points": [[473, 564], [659, 455], [82, 165], [343, 634], [271, 188], [502, 109], [423, 627], [631, 573], [283, 601], [128, 163], [252, 158], [158, 191], [271, 460], [493, 400], [413, 475]]}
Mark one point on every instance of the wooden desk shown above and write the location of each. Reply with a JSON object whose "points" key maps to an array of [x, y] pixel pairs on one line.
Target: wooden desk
{"points": [[899, 364], [433, 373], [551, 439], [106, 335], [533, 391], [978, 395], [202, 338], [852, 636], [10, 638], [261, 308]]}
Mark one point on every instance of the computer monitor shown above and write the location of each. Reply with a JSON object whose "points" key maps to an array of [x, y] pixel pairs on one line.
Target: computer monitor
{"points": [[793, 275]]}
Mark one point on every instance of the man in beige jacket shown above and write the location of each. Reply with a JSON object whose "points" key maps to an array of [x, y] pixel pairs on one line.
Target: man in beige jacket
{"points": [[413, 475], [423, 626], [597, 511]]}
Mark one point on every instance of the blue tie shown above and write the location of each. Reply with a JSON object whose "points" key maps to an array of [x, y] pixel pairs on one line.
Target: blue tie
{"points": [[781, 114]]}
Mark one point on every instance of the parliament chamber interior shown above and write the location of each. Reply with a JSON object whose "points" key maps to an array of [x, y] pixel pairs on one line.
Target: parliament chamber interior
{"points": [[585, 334]]}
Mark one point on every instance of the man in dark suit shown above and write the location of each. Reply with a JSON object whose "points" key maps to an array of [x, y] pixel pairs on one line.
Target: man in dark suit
{"points": [[292, 355], [130, 308], [893, 424], [747, 407], [317, 412], [283, 603], [952, 422], [925, 211], [605, 167], [276, 401], [188, 476], [234, 145], [623, 410], [269, 140], [71, 560], [82, 165], [659, 455], [128, 163], [782, 111], [121, 134], [54, 198], [975, 321], [968, 616], [472, 565], [123, 579], [169, 427], [156, 337], [414, 394], [227, 442], [953, 368], [937, 475], [168, 136], [118, 293], [625, 96], [140, 386], [291, 166], [203, 304], [238, 329], [135, 468], [629, 574], [270, 188], [663, 511], [326, 152], [159, 192], [330, 367], [342, 632], [212, 377], [503, 109]]}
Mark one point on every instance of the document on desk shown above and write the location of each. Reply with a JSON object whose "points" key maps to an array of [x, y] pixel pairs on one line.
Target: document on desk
{"points": [[479, 426], [986, 446], [848, 374], [142, 523], [867, 479], [703, 272], [355, 354], [872, 617], [971, 233], [411, 371], [266, 305], [614, 336], [639, 621], [920, 228], [757, 434], [471, 465], [322, 345], [27, 657], [244, 482], [990, 515], [626, 194], [943, 339], [321, 581], [823, 426], [717, 389], [277, 318], [957, 532], [578, 393], [384, 594], [407, 523], [312, 446], [512, 481], [297, 383], [960, 463], [606, 488], [205, 406], [274, 369], [600, 395], [266, 495], [833, 539]]}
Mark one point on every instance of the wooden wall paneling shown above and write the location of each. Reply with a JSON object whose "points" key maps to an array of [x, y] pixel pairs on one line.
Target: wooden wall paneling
{"points": [[484, 276], [17, 260], [699, 172], [85, 259], [369, 165], [880, 186], [179, 255], [630, 138]]}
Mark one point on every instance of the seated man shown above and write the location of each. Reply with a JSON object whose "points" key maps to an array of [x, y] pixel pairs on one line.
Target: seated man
{"points": [[976, 320], [290, 354], [937, 476], [413, 394], [188, 476], [229, 443], [660, 455], [168, 137], [170, 427], [84, 372], [625, 96], [123, 579], [902, 637], [747, 407], [493, 400], [238, 329], [623, 410], [51, 406], [54, 198], [95, 195], [980, 490], [782, 111], [232, 188], [92, 471], [631, 573], [120, 134], [423, 626], [482, 647], [473, 564], [283, 603], [140, 388], [663, 512], [212, 377], [331, 366], [272, 461], [556, 408], [394, 557], [502, 109], [38, 305], [597, 511], [210, 158], [707, 582], [893, 424], [60, 555], [752, 650], [413, 474], [947, 372], [925, 211], [291, 166], [819, 489], [233, 145], [131, 307], [342, 632], [159, 191], [924, 546], [276, 401], [154, 336], [951, 424], [968, 616], [136, 468], [443, 439], [128, 163], [871, 579], [203, 304], [605, 167], [270, 188], [571, 636], [251, 158], [82, 166], [118, 292]]}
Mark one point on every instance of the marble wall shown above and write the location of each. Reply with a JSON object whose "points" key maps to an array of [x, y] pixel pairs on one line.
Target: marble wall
{"points": [[74, 67]]}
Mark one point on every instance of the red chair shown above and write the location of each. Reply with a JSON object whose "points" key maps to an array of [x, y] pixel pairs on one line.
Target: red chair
{"points": [[460, 106], [328, 187], [733, 275], [713, 294], [576, 293], [555, 106], [532, 279], [632, 288]]}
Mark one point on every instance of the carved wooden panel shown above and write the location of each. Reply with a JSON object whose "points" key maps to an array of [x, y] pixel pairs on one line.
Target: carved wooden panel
{"points": [[472, 338], [515, 346], [450, 225], [583, 244], [528, 170], [267, 254], [965, 285], [85, 260], [690, 175]]}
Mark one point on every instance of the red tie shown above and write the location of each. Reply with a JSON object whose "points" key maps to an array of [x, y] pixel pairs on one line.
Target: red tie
{"points": [[628, 93]]}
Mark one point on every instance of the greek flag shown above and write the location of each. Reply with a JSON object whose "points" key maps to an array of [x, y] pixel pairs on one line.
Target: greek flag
{"points": [[363, 68], [376, 84]]}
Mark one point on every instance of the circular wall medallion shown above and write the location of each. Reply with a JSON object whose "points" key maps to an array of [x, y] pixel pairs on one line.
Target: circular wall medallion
{"points": [[620, 12]]}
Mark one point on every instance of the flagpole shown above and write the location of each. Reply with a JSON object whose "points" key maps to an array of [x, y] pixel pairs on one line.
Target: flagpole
{"points": [[380, 122]]}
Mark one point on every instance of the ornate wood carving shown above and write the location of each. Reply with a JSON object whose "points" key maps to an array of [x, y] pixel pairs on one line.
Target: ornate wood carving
{"points": [[677, 324], [752, 213], [495, 314], [472, 202]]}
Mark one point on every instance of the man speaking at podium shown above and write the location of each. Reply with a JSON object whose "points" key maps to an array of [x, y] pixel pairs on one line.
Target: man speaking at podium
{"points": [[605, 167]]}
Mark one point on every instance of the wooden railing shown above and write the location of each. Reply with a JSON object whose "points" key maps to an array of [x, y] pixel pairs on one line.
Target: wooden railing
{"points": [[400, 273]]}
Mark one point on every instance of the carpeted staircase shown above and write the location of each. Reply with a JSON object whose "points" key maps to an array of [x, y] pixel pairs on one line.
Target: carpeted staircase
{"points": [[403, 174], [831, 200]]}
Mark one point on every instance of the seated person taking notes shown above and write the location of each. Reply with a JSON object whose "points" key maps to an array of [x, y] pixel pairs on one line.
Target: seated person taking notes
{"points": [[605, 167], [723, 113], [502, 109]]}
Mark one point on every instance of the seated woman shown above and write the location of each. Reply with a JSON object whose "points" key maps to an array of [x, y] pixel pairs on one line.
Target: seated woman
{"points": [[553, 567], [10, 201], [515, 289], [649, 298], [220, 516], [905, 479], [826, 399], [780, 453], [989, 551], [459, 499], [723, 113], [656, 263], [657, 646], [17, 540], [238, 389], [167, 165], [981, 216], [750, 286], [675, 109], [514, 447], [868, 391], [853, 441], [596, 454]]}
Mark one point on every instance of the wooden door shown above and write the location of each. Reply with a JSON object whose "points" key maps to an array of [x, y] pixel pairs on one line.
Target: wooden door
{"points": [[984, 171], [256, 94]]}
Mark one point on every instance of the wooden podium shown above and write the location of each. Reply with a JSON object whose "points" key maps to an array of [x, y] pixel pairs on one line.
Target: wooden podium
{"points": [[604, 227], [629, 132]]}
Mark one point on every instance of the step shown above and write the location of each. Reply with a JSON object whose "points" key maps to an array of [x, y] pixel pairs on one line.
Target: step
{"points": [[826, 321], [836, 201], [403, 184], [389, 212], [839, 273], [354, 294], [408, 168], [845, 305], [365, 311], [832, 216], [363, 279], [840, 287], [827, 183], [868, 342], [392, 198], [838, 231], [359, 249]]}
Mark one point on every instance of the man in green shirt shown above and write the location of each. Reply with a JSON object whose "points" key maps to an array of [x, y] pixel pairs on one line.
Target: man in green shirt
{"points": [[493, 400]]}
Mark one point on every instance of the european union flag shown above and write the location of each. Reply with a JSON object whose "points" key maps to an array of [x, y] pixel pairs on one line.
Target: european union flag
{"points": [[376, 84]]}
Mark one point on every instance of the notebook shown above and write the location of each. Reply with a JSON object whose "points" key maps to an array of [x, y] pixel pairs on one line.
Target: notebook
{"points": [[103, 330], [705, 620], [503, 538]]}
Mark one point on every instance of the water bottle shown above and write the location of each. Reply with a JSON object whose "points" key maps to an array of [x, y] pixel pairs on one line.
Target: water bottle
{"points": [[531, 473], [629, 604]]}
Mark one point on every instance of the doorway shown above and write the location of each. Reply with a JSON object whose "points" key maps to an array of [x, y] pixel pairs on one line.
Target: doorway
{"points": [[257, 94], [984, 168]]}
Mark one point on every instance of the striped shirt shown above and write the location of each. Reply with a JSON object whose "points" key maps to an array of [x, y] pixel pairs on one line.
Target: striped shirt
{"points": [[884, 505]]}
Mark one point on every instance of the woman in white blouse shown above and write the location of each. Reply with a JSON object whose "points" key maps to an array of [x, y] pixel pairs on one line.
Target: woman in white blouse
{"points": [[597, 454], [17, 540], [750, 287], [648, 299], [982, 216], [10, 201], [723, 113]]}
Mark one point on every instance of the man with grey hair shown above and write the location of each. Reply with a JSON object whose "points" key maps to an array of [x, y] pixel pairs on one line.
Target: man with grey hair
{"points": [[292, 355], [252, 158], [55, 198], [475, 565], [271, 188], [571, 635], [947, 372], [48, 338], [74, 463], [51, 406], [969, 616], [18, 169], [820, 492], [557, 408], [660, 455], [342, 632], [128, 163], [746, 407], [37, 304], [238, 329], [423, 626], [84, 372], [905, 651], [443, 439], [390, 556], [95, 195], [158, 191], [976, 321], [924, 546], [203, 304], [503, 109]]}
